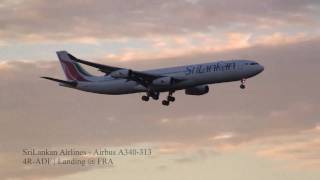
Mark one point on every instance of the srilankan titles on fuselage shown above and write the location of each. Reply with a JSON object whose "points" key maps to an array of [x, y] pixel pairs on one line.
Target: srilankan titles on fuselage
{"points": [[199, 69]]}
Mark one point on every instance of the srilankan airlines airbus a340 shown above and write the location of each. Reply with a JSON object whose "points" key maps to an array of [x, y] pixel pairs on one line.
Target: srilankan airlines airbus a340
{"points": [[194, 79]]}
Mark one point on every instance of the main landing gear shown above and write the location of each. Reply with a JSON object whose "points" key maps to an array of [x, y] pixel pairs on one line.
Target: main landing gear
{"points": [[145, 98], [155, 96], [243, 86], [169, 99]]}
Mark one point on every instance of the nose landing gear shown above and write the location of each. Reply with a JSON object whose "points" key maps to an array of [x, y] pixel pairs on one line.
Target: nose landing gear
{"points": [[243, 86]]}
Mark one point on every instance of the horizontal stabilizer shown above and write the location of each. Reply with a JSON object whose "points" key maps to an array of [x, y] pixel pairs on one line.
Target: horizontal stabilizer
{"points": [[69, 83]]}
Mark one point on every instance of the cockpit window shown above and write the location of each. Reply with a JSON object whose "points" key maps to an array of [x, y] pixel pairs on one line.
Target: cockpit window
{"points": [[253, 63]]}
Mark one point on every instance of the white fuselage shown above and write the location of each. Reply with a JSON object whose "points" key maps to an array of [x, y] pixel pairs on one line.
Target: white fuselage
{"points": [[190, 75]]}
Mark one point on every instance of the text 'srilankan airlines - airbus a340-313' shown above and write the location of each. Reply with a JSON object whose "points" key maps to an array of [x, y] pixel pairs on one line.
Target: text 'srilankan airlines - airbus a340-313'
{"points": [[194, 79]]}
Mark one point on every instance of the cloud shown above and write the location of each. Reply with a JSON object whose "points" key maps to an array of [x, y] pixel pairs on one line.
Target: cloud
{"points": [[222, 136], [41, 20], [150, 29], [279, 102], [280, 106], [4, 66], [280, 38], [179, 46], [52, 107], [302, 149]]}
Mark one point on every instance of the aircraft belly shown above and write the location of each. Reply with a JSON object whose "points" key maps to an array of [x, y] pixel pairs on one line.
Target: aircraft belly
{"points": [[226, 77], [216, 77], [112, 87]]}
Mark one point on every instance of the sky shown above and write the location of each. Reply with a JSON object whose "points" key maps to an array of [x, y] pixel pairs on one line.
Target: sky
{"points": [[271, 130]]}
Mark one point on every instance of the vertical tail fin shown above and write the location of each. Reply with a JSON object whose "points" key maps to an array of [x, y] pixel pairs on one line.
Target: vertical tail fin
{"points": [[72, 69]]}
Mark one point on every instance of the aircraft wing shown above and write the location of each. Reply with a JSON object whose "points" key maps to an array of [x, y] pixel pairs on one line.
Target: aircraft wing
{"points": [[141, 77], [103, 68]]}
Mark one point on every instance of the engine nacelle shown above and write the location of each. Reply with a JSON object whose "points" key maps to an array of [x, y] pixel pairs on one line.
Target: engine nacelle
{"points": [[163, 81], [198, 90], [121, 73]]}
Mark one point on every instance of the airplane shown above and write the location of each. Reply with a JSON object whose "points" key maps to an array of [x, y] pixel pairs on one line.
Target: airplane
{"points": [[194, 79]]}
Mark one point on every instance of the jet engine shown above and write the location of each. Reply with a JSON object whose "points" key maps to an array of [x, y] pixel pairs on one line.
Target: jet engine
{"points": [[198, 90], [121, 73], [163, 81]]}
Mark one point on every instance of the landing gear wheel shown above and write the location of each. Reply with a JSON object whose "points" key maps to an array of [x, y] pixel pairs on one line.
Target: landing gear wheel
{"points": [[165, 103], [145, 98], [171, 98], [242, 86], [155, 96]]}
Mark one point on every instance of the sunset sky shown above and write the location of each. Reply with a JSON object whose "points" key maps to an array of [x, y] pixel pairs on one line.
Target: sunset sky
{"points": [[271, 130]]}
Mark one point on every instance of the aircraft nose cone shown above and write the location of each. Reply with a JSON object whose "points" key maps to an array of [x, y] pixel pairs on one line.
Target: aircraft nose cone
{"points": [[261, 68]]}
